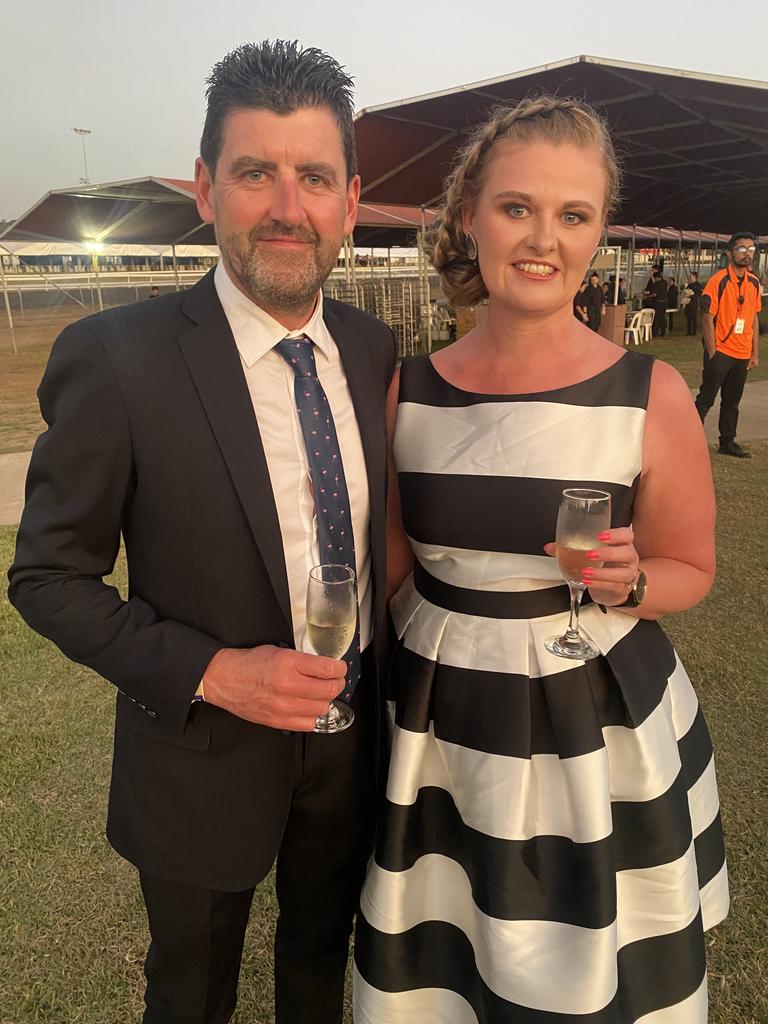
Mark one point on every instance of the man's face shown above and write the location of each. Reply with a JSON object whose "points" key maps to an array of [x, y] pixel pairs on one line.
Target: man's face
{"points": [[280, 203], [743, 260]]}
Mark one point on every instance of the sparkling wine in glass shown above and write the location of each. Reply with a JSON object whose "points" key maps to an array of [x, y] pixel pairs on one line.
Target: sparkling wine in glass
{"points": [[583, 514], [331, 621]]}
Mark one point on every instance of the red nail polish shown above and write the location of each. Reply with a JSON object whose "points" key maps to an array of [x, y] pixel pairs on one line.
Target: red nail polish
{"points": [[605, 535], [587, 572], [593, 554]]}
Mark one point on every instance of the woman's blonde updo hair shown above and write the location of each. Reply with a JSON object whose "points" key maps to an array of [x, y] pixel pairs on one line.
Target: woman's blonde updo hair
{"points": [[542, 118]]}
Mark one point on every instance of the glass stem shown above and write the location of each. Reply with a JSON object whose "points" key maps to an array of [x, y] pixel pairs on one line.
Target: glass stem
{"points": [[572, 633]]}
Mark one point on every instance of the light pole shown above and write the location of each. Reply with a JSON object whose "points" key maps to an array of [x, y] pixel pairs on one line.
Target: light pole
{"points": [[94, 248], [82, 132]]}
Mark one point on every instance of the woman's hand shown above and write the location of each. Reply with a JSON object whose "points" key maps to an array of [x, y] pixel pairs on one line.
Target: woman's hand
{"points": [[610, 584]]}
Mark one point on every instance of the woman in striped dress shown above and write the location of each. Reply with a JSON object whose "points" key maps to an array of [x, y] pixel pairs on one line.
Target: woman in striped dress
{"points": [[550, 850]]}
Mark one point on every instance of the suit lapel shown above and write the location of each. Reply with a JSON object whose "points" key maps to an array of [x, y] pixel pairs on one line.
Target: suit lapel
{"points": [[209, 350], [369, 412]]}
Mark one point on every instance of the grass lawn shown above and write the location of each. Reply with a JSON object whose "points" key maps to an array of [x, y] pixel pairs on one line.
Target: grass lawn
{"points": [[73, 933], [685, 355]]}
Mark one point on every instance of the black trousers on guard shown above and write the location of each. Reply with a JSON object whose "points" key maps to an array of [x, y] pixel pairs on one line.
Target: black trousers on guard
{"points": [[727, 375], [193, 964]]}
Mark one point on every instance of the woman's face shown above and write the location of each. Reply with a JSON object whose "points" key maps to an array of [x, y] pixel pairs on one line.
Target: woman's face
{"points": [[537, 222]]}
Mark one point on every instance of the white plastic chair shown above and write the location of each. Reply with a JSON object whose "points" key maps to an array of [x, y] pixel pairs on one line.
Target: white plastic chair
{"points": [[646, 324], [633, 332]]}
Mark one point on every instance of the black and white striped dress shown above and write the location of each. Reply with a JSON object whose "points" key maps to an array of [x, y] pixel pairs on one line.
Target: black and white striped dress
{"points": [[551, 849]]}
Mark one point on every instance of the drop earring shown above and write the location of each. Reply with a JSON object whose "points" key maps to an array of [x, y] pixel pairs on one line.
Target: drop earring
{"points": [[471, 247]]}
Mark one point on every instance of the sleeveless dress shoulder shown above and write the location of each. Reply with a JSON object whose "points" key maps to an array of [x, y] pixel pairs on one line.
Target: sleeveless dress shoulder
{"points": [[550, 850]]}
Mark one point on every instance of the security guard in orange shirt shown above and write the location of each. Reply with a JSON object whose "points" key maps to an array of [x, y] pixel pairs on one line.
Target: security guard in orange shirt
{"points": [[730, 303]]}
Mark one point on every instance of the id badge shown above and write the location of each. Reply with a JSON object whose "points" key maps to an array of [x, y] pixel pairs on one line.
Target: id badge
{"points": [[739, 328]]}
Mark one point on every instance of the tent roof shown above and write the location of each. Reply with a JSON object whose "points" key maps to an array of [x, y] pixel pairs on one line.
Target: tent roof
{"points": [[143, 211], [162, 211], [694, 146]]}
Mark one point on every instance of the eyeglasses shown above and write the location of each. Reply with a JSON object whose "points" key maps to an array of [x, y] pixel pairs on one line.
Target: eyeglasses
{"points": [[742, 250]]}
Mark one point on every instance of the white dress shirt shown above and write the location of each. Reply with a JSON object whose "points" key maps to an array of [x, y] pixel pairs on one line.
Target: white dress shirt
{"points": [[270, 383]]}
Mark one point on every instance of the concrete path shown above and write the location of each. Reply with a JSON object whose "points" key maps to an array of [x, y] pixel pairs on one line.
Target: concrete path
{"points": [[753, 426], [13, 472]]}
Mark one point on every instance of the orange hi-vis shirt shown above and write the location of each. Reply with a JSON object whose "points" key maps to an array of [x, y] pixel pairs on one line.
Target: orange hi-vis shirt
{"points": [[732, 299]]}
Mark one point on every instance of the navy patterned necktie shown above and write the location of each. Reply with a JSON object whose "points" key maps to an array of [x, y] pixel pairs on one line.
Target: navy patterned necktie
{"points": [[332, 509]]}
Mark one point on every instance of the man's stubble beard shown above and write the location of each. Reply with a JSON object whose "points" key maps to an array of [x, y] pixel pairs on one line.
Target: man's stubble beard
{"points": [[280, 281]]}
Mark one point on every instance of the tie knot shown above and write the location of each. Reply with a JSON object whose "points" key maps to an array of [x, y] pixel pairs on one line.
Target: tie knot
{"points": [[299, 354]]}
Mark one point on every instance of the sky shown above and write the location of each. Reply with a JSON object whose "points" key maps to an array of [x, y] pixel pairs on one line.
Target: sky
{"points": [[134, 73]]}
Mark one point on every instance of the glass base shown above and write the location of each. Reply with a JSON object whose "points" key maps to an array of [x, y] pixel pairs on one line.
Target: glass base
{"points": [[340, 716], [577, 648]]}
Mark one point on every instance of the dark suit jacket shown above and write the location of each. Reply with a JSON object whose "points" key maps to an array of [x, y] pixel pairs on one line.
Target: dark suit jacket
{"points": [[151, 432]]}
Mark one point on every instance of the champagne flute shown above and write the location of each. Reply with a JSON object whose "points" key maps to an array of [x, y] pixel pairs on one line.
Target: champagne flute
{"points": [[582, 515], [331, 621]]}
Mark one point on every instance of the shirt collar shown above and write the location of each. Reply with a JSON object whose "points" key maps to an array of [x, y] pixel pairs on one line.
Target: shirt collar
{"points": [[734, 278], [255, 331]]}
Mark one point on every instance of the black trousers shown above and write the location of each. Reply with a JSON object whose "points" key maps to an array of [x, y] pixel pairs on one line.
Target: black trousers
{"points": [[659, 328], [197, 935], [690, 319], [727, 375]]}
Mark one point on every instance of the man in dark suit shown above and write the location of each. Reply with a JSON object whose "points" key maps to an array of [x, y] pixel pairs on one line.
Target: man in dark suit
{"points": [[188, 426], [657, 290]]}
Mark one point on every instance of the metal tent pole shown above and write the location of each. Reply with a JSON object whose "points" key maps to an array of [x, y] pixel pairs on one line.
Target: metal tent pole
{"points": [[347, 269], [8, 306], [425, 265], [631, 267], [175, 269], [95, 265], [679, 257]]}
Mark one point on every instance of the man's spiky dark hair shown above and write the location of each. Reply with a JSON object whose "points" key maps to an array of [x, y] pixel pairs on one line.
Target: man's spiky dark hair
{"points": [[282, 77]]}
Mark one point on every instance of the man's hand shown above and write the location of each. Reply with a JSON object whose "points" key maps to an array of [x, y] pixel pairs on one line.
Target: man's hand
{"points": [[754, 361], [273, 686]]}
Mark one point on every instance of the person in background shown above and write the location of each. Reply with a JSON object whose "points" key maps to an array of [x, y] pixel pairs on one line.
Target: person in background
{"points": [[611, 290], [579, 309], [730, 303], [658, 294], [154, 292], [648, 291], [692, 293], [672, 301], [593, 301], [607, 294]]}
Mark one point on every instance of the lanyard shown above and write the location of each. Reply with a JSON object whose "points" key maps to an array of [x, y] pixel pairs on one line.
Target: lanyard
{"points": [[740, 281]]}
